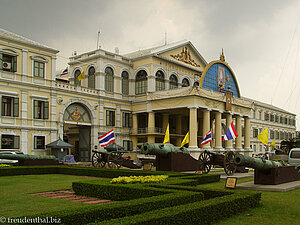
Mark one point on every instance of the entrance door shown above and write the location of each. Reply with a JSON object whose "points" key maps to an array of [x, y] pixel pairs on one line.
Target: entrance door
{"points": [[84, 144]]}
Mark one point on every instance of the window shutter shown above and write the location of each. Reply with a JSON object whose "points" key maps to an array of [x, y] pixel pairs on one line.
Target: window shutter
{"points": [[16, 107], [14, 62], [130, 120], [113, 118], [35, 142], [123, 119], [16, 142], [35, 109], [46, 110], [1, 61], [107, 118]]}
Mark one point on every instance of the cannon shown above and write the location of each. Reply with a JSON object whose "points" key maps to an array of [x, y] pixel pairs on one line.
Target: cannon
{"points": [[268, 171], [209, 158], [161, 149], [31, 160], [170, 157]]}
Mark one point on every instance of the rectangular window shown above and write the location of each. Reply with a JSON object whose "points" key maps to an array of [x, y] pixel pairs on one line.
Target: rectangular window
{"points": [[127, 145], [254, 114], [8, 62], [254, 148], [110, 118], [277, 135], [285, 120], [10, 141], [260, 115], [260, 148], [272, 118], [127, 120], [271, 134], [41, 109], [276, 119], [255, 132], [10, 106], [281, 119], [267, 116], [39, 69], [39, 142]]}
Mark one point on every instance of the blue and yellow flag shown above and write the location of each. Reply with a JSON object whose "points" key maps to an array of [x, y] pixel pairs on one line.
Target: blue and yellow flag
{"points": [[167, 136]]}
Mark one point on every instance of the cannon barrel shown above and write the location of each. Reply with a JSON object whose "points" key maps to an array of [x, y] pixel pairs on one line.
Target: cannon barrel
{"points": [[161, 149], [256, 163], [23, 156]]}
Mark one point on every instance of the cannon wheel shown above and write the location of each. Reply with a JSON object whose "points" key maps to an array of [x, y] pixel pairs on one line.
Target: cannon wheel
{"points": [[205, 162], [98, 160], [115, 160], [229, 165]]}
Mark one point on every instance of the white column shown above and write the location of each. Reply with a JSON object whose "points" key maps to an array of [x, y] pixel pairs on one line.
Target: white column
{"points": [[53, 69], [24, 62], [24, 141], [238, 140], [206, 126], [24, 105], [218, 135]]}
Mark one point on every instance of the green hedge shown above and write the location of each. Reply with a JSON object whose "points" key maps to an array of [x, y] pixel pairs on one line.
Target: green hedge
{"points": [[104, 212], [201, 212], [82, 171], [117, 192]]}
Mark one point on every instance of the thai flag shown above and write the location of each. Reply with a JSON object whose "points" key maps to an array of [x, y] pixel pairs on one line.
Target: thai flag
{"points": [[107, 138], [207, 138], [65, 72], [230, 133]]}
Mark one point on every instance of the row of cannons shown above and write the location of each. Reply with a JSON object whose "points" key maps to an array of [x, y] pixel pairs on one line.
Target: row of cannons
{"points": [[171, 158]]}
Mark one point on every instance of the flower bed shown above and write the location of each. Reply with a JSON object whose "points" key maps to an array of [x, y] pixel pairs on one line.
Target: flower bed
{"points": [[139, 179]]}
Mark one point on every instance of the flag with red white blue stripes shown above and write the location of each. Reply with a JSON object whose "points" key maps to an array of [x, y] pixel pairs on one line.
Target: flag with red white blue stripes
{"points": [[107, 138], [207, 138], [230, 133]]}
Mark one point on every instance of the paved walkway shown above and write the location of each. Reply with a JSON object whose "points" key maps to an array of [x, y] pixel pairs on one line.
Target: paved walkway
{"points": [[278, 187], [70, 195]]}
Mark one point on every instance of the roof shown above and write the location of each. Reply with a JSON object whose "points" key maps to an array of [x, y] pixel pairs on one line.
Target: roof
{"points": [[266, 105], [59, 144], [162, 48], [4, 34]]}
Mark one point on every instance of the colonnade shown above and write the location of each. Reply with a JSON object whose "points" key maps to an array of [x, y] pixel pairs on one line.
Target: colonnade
{"points": [[206, 126]]}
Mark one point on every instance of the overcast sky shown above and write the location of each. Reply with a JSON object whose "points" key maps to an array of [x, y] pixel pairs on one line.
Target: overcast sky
{"points": [[260, 37]]}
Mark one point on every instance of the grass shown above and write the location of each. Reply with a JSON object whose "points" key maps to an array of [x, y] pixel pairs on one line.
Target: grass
{"points": [[16, 199], [276, 208]]}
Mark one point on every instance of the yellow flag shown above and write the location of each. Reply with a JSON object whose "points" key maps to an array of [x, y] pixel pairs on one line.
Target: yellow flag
{"points": [[81, 76], [263, 137], [185, 140], [167, 136], [272, 144]]}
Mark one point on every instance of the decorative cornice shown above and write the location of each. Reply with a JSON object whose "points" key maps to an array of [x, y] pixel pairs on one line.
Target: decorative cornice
{"points": [[185, 56]]}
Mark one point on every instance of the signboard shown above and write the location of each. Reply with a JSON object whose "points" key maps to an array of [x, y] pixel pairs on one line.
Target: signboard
{"points": [[230, 182]]}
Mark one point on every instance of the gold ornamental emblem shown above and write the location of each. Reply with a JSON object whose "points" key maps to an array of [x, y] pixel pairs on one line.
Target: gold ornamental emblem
{"points": [[76, 113]]}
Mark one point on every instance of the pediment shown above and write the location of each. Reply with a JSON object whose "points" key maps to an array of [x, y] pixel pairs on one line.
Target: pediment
{"points": [[185, 55]]}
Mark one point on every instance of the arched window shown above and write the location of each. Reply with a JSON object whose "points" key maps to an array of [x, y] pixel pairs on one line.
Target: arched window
{"points": [[159, 80], [196, 84], [141, 82], [76, 81], [91, 78], [173, 82], [109, 79], [125, 83], [185, 82]]}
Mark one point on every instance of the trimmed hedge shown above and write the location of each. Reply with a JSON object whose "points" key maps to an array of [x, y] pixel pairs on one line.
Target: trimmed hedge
{"points": [[82, 171], [116, 192], [125, 208], [201, 212]]}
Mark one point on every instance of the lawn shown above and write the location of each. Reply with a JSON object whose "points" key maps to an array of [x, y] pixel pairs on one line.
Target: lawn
{"points": [[16, 199], [275, 208]]}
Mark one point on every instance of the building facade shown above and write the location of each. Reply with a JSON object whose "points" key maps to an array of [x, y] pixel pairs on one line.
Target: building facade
{"points": [[136, 94]]}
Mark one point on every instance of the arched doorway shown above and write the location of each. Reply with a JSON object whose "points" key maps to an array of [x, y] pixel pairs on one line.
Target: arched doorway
{"points": [[77, 131]]}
